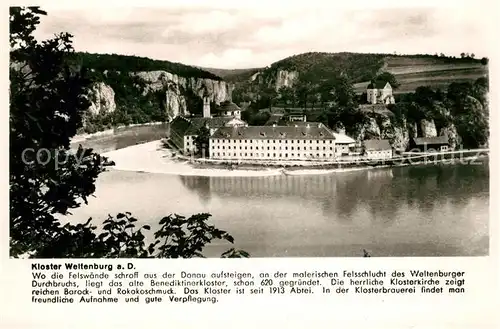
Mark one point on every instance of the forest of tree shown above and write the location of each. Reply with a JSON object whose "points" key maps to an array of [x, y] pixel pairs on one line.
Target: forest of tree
{"points": [[330, 100], [464, 105], [100, 63]]}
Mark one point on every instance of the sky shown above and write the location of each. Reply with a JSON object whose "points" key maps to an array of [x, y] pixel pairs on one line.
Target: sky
{"points": [[232, 37]]}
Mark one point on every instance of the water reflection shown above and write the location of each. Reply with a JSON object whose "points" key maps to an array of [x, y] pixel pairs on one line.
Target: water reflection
{"points": [[341, 191], [271, 186], [420, 211], [201, 185], [382, 193]]}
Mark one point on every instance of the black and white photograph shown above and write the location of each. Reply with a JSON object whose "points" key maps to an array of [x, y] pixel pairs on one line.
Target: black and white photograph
{"points": [[254, 132]]}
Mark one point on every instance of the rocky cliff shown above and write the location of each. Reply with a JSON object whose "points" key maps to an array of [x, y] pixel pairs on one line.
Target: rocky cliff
{"points": [[382, 127], [275, 79], [462, 115], [428, 128], [102, 99], [285, 78], [176, 89]]}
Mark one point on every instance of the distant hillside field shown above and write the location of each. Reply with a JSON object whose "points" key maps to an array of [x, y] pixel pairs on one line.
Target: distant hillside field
{"points": [[434, 72]]}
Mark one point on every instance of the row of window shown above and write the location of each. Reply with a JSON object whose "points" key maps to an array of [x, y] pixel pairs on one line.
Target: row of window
{"points": [[272, 155], [274, 148], [215, 140], [381, 152]]}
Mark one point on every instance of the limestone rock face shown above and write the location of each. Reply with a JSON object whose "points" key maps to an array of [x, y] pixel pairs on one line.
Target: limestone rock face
{"points": [[399, 134], [285, 78], [102, 99], [452, 134], [255, 76], [413, 130], [368, 130], [401, 138], [175, 86], [428, 128], [175, 104], [386, 128]]}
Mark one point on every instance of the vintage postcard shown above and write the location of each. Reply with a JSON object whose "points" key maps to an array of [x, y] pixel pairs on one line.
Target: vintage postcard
{"points": [[340, 152]]}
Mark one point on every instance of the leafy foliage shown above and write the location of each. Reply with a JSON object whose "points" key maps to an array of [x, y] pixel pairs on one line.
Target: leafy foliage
{"points": [[331, 101], [202, 141], [387, 77], [177, 237], [255, 117], [335, 97], [47, 180], [319, 66], [288, 96], [469, 107], [46, 106]]}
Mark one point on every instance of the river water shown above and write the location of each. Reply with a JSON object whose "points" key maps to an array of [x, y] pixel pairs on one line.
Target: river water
{"points": [[426, 210]]}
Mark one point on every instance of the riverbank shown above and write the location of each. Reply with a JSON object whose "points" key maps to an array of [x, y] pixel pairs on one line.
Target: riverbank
{"points": [[121, 137], [153, 157], [344, 163]]}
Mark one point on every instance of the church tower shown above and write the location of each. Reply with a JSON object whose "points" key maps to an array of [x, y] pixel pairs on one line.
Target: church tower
{"points": [[206, 107]]}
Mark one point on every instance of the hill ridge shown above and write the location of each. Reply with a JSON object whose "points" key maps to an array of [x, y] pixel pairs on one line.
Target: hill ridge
{"points": [[130, 63]]}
